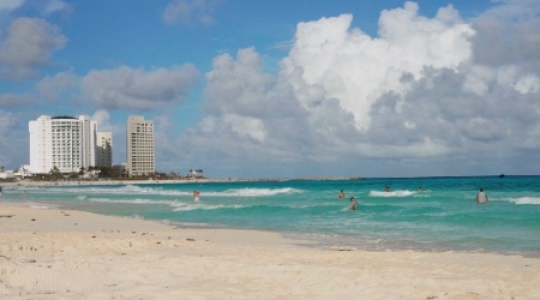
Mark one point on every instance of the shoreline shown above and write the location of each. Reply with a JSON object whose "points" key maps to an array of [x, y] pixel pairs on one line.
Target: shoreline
{"points": [[30, 183], [70, 254]]}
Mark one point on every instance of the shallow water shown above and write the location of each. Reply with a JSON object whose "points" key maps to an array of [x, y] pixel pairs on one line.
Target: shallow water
{"points": [[441, 217]]}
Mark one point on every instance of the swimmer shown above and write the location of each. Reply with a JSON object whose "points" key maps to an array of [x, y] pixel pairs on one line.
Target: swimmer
{"points": [[196, 196], [481, 197], [354, 204], [341, 194]]}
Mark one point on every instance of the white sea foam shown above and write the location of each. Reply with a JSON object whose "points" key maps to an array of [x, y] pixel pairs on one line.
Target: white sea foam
{"points": [[202, 206], [253, 192], [134, 201], [526, 200], [400, 193], [132, 189]]}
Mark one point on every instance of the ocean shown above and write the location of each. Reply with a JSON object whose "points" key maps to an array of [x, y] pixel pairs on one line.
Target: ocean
{"points": [[443, 216]]}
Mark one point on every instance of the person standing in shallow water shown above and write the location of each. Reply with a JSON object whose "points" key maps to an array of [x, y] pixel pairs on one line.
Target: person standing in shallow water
{"points": [[354, 204], [341, 194], [481, 197]]}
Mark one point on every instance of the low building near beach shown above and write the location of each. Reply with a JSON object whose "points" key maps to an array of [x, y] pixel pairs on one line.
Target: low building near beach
{"points": [[7, 175]]}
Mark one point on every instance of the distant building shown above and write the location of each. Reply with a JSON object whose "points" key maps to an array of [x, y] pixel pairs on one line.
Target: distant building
{"points": [[140, 146], [23, 172], [62, 142], [120, 169], [104, 149], [7, 175]]}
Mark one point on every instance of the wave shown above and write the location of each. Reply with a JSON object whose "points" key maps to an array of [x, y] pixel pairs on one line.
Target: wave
{"points": [[133, 189], [202, 206], [400, 193], [177, 205], [127, 189], [134, 201], [253, 192], [526, 200]]}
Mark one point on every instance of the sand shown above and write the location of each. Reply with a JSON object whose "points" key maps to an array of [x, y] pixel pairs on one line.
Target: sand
{"points": [[60, 254]]}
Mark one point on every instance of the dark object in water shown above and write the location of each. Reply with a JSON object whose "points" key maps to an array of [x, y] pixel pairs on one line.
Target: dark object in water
{"points": [[501, 176]]}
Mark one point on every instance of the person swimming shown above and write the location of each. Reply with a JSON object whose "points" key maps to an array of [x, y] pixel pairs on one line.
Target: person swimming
{"points": [[481, 197], [196, 195], [341, 194], [354, 204]]}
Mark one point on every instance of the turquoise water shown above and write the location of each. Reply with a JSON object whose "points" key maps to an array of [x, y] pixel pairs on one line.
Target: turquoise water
{"points": [[442, 217]]}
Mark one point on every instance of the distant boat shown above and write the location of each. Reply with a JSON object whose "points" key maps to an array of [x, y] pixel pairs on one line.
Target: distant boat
{"points": [[501, 176]]}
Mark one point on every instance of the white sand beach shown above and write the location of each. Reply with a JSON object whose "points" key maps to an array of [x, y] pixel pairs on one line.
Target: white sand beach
{"points": [[59, 254]]}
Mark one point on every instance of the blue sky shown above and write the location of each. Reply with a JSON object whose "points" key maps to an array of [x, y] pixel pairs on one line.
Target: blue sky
{"points": [[284, 88]]}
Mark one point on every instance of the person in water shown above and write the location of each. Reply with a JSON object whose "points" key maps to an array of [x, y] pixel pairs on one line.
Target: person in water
{"points": [[387, 189], [341, 194], [196, 195], [481, 197], [354, 204]]}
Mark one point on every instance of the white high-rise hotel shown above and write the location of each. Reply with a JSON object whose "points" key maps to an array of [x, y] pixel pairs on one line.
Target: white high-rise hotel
{"points": [[140, 146], [104, 149], [64, 142]]}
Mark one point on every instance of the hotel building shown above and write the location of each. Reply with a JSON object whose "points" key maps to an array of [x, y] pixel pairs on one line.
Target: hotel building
{"points": [[104, 149], [64, 142], [140, 146]]}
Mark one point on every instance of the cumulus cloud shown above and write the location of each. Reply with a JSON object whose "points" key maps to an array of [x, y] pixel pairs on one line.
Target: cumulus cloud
{"points": [[357, 69], [14, 100], [28, 44], [103, 119], [126, 87], [514, 10], [11, 141], [52, 87], [10, 4], [187, 11], [424, 96], [53, 6]]}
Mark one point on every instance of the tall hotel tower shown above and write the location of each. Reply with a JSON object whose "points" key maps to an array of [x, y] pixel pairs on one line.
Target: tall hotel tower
{"points": [[64, 142], [140, 146], [104, 149]]}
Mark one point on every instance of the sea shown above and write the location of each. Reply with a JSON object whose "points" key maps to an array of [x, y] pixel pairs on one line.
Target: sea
{"points": [[419, 214]]}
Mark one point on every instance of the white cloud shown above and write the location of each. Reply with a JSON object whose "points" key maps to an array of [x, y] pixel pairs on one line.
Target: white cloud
{"points": [[12, 143], [14, 100], [357, 69], [28, 45], [528, 84], [52, 87], [103, 119], [125, 87], [53, 6], [10, 4], [420, 98], [514, 9], [187, 11]]}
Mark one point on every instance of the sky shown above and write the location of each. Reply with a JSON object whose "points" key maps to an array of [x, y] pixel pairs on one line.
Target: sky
{"points": [[284, 89]]}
